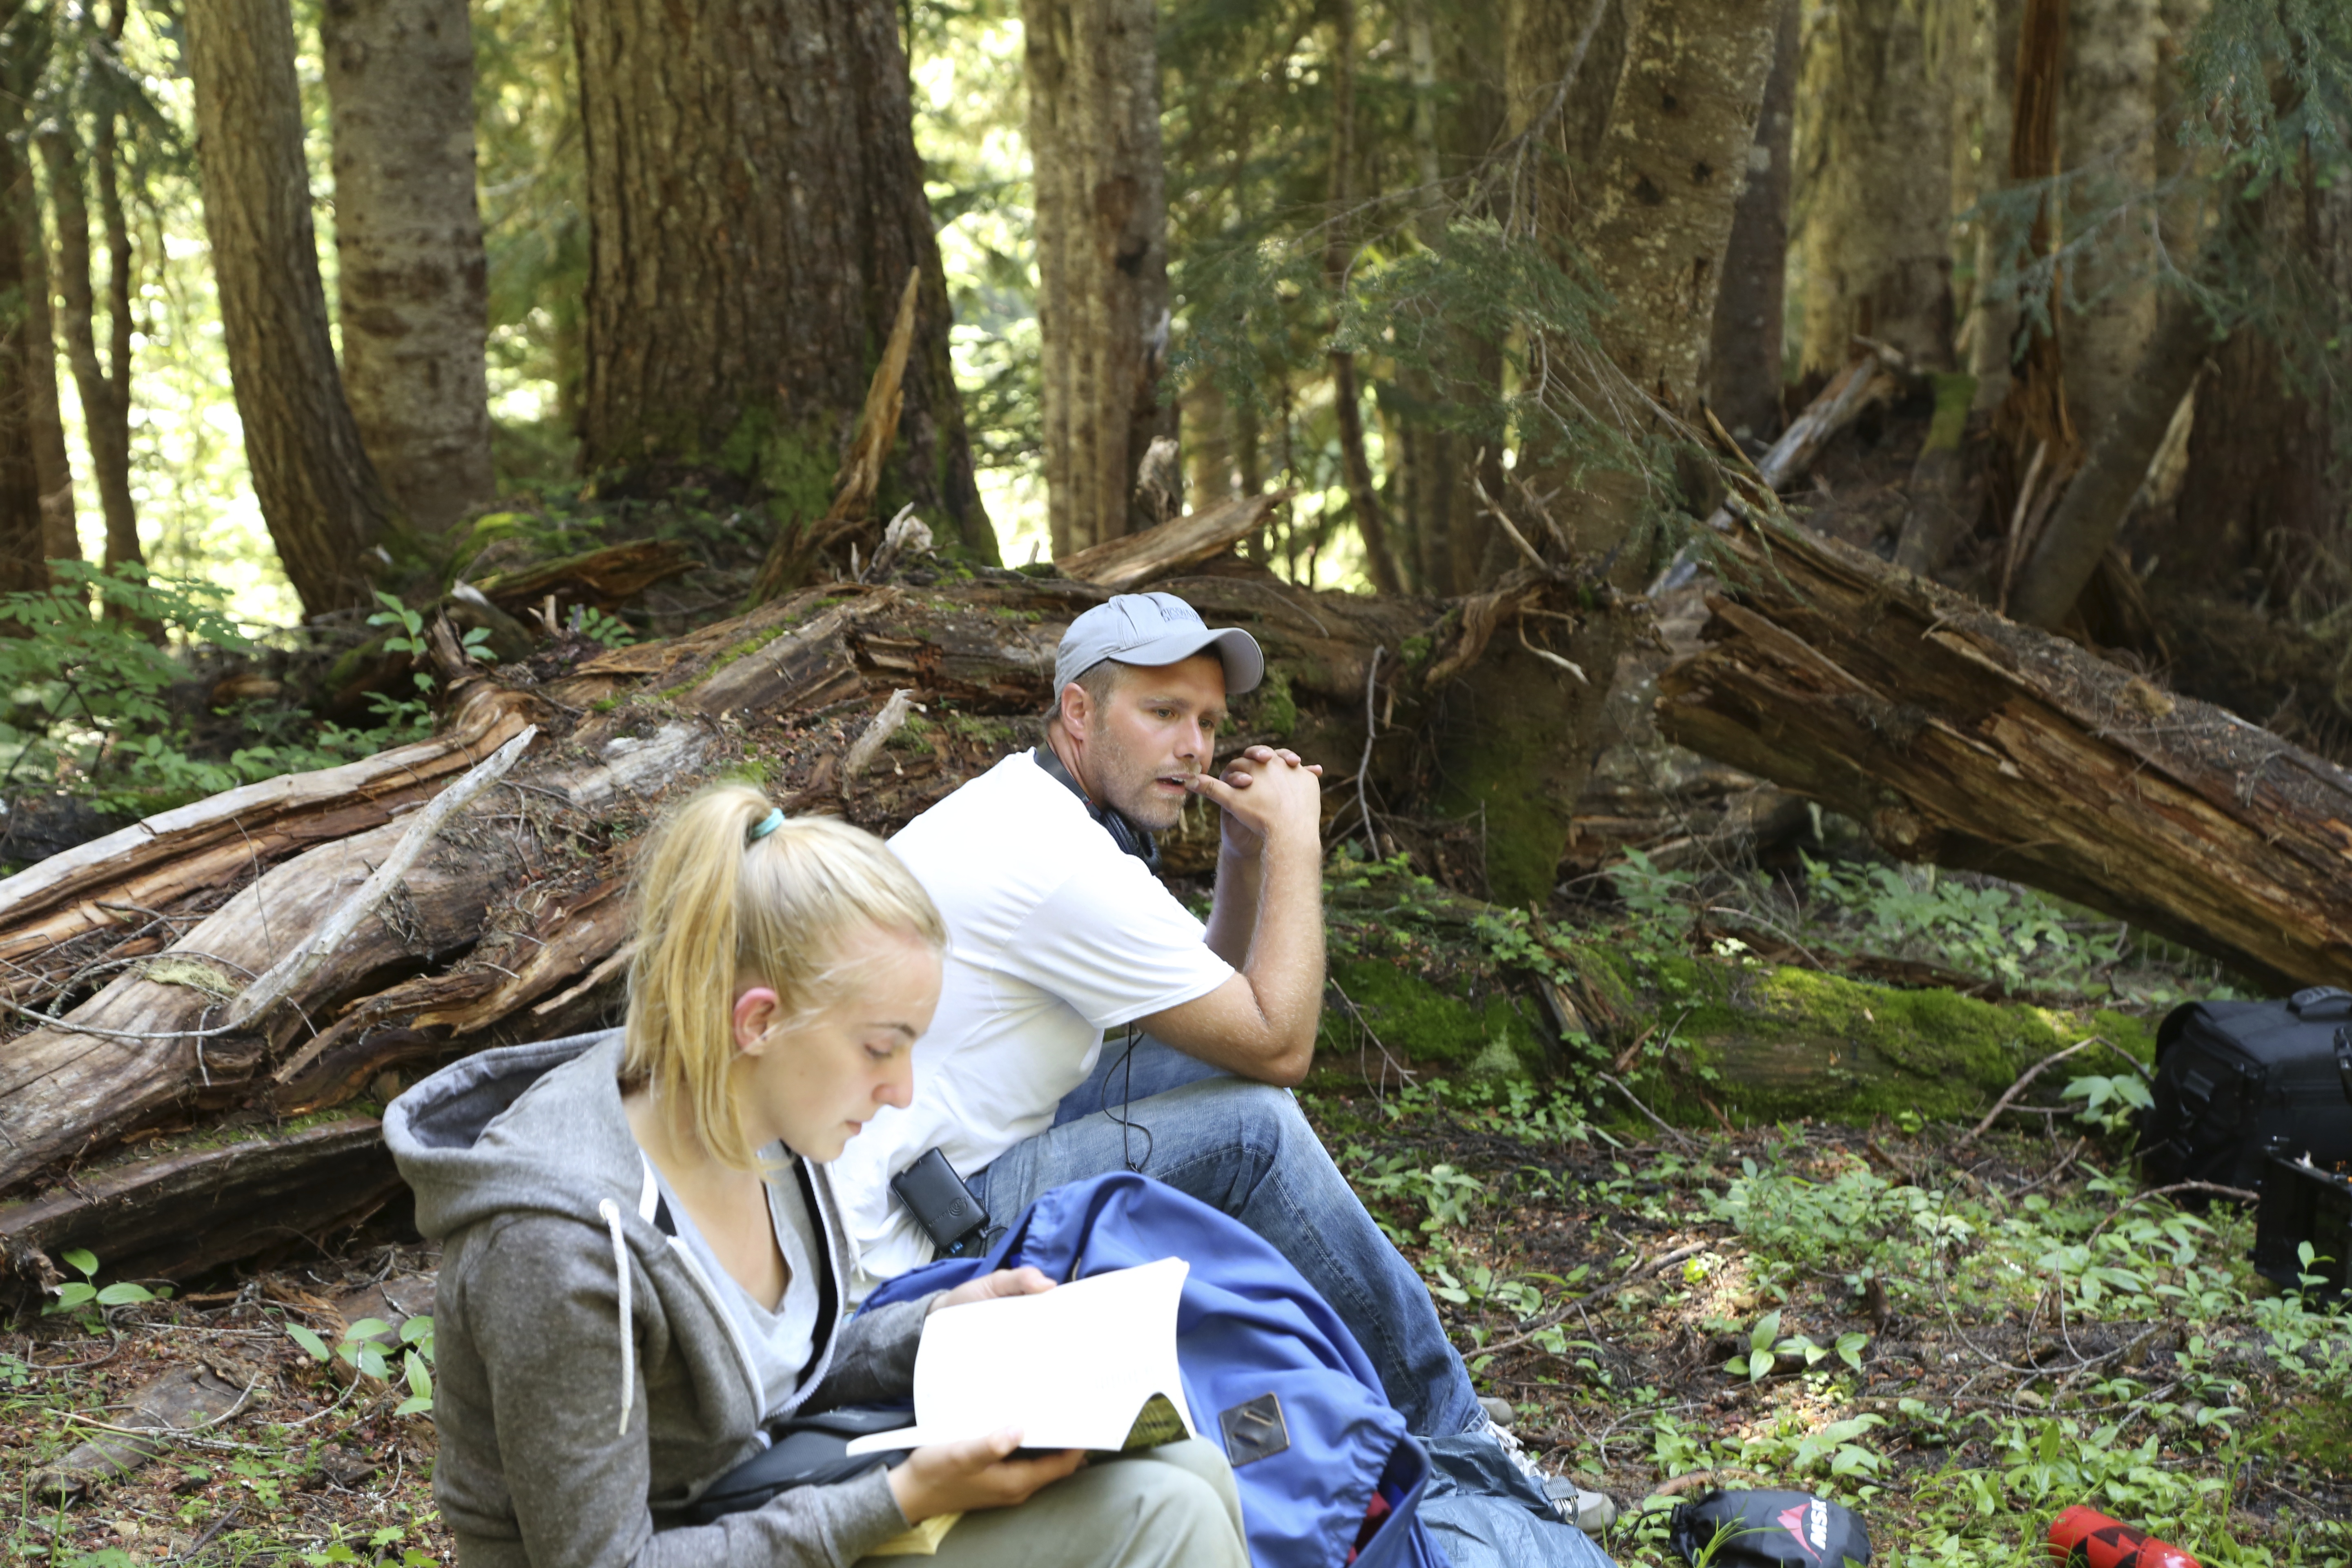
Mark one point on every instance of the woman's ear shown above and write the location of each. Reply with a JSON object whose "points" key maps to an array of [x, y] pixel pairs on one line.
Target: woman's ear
{"points": [[756, 1009]]}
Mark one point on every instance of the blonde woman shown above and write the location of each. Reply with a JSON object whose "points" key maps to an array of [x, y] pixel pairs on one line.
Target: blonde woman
{"points": [[642, 1262]]}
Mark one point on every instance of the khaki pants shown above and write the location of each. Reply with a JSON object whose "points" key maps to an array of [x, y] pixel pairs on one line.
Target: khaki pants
{"points": [[1166, 1506]]}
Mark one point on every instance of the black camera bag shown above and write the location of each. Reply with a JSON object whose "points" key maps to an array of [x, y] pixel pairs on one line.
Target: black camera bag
{"points": [[806, 1451], [1767, 1530], [2237, 1082]]}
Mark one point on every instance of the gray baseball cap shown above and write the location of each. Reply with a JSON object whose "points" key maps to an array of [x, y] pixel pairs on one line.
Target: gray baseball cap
{"points": [[1154, 629]]}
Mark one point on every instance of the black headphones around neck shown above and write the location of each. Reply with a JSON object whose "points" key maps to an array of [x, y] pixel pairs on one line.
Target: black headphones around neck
{"points": [[1131, 839]]}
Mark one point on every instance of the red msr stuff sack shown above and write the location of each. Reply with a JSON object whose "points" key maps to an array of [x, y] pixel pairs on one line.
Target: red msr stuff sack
{"points": [[1767, 1530]]}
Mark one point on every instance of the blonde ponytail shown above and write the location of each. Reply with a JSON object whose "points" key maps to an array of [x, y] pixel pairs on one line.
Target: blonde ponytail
{"points": [[718, 910]]}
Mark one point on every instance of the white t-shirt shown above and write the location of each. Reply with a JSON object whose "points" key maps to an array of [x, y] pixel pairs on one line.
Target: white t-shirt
{"points": [[1055, 934]]}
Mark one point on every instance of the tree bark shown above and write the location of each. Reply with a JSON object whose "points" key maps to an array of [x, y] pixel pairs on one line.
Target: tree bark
{"points": [[1875, 139], [1992, 334], [24, 563], [1958, 737], [2107, 132], [1518, 732], [1346, 399], [1102, 254], [318, 494], [2091, 513], [20, 224], [411, 279], [102, 384], [755, 204], [1746, 358]]}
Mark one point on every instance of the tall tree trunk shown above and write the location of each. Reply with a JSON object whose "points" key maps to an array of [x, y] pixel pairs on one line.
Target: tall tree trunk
{"points": [[1992, 335], [755, 206], [24, 564], [1517, 732], [1745, 357], [318, 494], [2107, 133], [411, 279], [60, 534], [102, 384], [1102, 252], [1347, 399], [1457, 114], [1875, 139]]}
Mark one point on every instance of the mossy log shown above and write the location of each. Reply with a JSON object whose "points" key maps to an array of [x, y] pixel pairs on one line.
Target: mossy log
{"points": [[511, 926], [1960, 737]]}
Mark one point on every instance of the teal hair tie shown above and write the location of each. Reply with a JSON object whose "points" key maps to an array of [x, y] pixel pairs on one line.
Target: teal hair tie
{"points": [[765, 825]]}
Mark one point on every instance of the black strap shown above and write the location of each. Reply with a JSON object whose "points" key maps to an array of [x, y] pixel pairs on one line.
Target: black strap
{"points": [[2343, 1057], [1131, 839]]}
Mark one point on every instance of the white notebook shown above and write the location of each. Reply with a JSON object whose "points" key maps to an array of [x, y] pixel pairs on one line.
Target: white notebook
{"points": [[1091, 1364]]}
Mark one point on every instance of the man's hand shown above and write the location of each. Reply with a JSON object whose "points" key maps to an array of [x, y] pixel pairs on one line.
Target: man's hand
{"points": [[1266, 790], [989, 1287], [957, 1478]]}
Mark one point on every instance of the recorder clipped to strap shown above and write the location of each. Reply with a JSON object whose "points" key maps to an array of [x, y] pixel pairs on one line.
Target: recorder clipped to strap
{"points": [[947, 1209]]}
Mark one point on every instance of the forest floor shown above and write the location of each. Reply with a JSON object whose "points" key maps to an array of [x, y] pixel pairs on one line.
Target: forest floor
{"points": [[1963, 1342], [1957, 1339]]}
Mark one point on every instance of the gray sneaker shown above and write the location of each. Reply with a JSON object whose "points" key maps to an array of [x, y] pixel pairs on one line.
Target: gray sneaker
{"points": [[1590, 1511]]}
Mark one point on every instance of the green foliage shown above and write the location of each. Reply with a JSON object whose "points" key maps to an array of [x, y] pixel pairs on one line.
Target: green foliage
{"points": [[89, 695], [598, 626], [368, 1347], [86, 1295]]}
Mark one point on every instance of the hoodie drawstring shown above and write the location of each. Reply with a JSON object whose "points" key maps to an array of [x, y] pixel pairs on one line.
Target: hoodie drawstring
{"points": [[612, 1212]]}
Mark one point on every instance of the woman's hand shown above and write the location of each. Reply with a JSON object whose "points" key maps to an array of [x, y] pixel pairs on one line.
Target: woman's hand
{"points": [[957, 1478], [1003, 1282]]}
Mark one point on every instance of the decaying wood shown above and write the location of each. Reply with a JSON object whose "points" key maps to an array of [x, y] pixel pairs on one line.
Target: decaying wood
{"points": [[1131, 560], [105, 885], [604, 579], [1873, 375], [799, 542], [1958, 737], [511, 924]]}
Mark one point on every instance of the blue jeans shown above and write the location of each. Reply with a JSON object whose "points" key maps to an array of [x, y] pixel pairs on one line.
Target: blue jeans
{"points": [[1244, 1149]]}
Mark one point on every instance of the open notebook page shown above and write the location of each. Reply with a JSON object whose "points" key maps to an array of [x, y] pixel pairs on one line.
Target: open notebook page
{"points": [[1073, 1368]]}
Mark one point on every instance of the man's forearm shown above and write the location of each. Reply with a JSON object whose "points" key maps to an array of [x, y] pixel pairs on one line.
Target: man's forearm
{"points": [[1232, 912], [1285, 963]]}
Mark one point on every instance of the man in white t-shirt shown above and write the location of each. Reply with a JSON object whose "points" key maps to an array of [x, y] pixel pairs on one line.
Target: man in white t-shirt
{"points": [[1060, 931]]}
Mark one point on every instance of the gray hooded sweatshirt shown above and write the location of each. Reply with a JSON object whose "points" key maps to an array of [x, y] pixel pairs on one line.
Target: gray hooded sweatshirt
{"points": [[591, 1382]]}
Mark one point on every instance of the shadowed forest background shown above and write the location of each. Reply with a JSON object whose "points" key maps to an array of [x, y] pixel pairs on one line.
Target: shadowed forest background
{"points": [[1811, 541]]}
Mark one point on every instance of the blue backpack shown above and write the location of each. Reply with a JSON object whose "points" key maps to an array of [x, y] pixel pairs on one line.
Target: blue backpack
{"points": [[1267, 1367]]}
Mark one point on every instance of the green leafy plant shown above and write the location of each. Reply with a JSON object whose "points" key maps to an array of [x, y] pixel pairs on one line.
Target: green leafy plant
{"points": [[2108, 1102], [1767, 1348], [599, 627], [86, 1292], [368, 1347]]}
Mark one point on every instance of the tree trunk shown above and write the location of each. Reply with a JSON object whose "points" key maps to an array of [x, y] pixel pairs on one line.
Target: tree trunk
{"points": [[1746, 362], [1518, 732], [1875, 139], [52, 470], [2107, 132], [1992, 333], [510, 924], [2091, 513], [318, 494], [411, 279], [24, 563], [1102, 254], [1958, 737], [1346, 399], [102, 384], [755, 206]]}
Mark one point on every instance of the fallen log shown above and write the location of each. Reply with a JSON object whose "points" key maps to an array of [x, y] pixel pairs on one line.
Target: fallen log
{"points": [[1957, 736], [509, 924]]}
